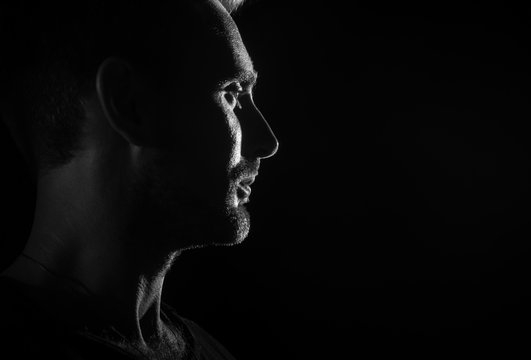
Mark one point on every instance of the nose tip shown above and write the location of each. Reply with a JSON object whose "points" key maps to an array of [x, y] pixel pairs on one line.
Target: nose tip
{"points": [[261, 141], [270, 147]]}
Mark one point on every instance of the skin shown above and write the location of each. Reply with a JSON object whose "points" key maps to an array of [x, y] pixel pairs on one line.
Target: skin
{"points": [[158, 173]]}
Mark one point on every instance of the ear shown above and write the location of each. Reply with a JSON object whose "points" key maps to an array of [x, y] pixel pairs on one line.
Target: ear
{"points": [[118, 93]]}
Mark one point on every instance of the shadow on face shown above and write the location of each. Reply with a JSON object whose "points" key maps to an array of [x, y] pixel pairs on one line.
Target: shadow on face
{"points": [[211, 136]]}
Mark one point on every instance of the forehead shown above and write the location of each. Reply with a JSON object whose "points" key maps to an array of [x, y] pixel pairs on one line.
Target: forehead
{"points": [[210, 44]]}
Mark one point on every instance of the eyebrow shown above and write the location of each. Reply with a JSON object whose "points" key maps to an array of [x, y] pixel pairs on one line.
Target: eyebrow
{"points": [[247, 78]]}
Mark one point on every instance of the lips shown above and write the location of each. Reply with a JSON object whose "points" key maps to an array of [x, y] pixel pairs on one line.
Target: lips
{"points": [[244, 191], [244, 188], [248, 181]]}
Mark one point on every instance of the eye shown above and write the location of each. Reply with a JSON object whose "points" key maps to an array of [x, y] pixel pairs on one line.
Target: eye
{"points": [[232, 95]]}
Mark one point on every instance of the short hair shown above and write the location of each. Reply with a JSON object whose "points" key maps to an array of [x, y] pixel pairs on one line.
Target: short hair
{"points": [[53, 51]]}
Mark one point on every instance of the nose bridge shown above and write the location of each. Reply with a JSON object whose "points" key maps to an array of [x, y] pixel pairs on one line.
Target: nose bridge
{"points": [[258, 141]]}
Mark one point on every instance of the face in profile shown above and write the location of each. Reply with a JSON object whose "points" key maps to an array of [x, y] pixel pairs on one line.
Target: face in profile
{"points": [[196, 183]]}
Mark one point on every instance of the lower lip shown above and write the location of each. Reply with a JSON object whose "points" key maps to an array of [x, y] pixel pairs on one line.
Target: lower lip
{"points": [[244, 192]]}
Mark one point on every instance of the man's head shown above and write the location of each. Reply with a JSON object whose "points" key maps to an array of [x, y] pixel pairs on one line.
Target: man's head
{"points": [[156, 98]]}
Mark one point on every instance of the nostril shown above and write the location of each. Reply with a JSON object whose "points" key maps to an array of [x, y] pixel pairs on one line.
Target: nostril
{"points": [[269, 150]]}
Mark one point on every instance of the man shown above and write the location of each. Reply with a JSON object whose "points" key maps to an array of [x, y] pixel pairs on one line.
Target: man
{"points": [[139, 125]]}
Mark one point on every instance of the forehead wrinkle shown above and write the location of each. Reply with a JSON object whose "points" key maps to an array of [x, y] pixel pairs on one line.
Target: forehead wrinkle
{"points": [[226, 31], [218, 33], [247, 78]]}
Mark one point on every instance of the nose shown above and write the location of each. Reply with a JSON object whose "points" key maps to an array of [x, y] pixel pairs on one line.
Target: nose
{"points": [[258, 140]]}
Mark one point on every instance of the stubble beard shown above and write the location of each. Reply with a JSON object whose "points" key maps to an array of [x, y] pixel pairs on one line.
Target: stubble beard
{"points": [[192, 223], [175, 217], [239, 217]]}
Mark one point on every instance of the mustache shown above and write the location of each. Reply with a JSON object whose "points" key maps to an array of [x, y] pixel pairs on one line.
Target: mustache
{"points": [[245, 169]]}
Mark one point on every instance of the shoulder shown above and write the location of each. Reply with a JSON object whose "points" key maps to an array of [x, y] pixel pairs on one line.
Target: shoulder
{"points": [[27, 331], [207, 345], [15, 308], [204, 345], [20, 321]]}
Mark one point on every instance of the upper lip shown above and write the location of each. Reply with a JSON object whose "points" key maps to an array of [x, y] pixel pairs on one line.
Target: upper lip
{"points": [[248, 180]]}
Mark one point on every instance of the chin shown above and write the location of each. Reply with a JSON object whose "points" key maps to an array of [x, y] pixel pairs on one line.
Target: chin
{"points": [[231, 228], [240, 224], [215, 228], [190, 219], [227, 226]]}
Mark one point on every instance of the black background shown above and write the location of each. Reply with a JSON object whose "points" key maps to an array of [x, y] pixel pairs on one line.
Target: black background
{"points": [[394, 218]]}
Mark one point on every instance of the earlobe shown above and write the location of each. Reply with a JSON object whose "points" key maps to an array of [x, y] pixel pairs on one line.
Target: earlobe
{"points": [[115, 88]]}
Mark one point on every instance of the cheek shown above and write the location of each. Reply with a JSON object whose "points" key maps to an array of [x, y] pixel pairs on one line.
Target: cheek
{"points": [[236, 139], [226, 133], [206, 134]]}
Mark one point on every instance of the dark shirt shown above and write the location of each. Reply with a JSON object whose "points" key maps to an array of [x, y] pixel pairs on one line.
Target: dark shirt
{"points": [[28, 332]]}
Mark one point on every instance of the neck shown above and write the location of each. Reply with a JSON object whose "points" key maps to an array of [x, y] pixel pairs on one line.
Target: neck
{"points": [[81, 249]]}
